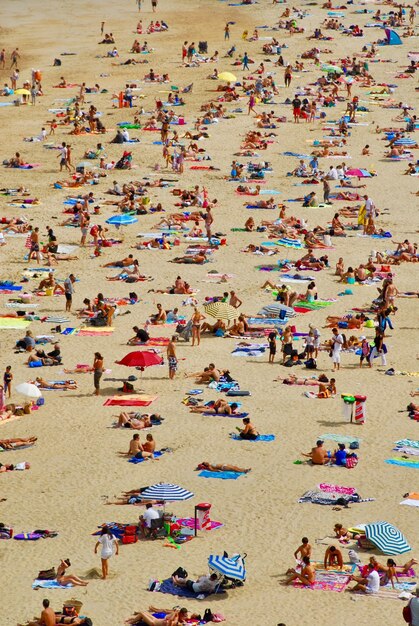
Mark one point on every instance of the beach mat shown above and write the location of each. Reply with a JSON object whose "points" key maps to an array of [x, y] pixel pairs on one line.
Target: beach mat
{"points": [[237, 437], [220, 475], [13, 323]]}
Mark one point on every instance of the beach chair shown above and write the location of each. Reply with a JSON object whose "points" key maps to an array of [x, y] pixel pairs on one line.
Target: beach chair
{"points": [[157, 528]]}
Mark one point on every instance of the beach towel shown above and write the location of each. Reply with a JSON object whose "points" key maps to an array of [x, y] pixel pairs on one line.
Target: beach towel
{"points": [[338, 438], [411, 443], [411, 500], [220, 475], [225, 414], [190, 522], [168, 587], [13, 323], [414, 463], [157, 454], [130, 400], [49, 584], [327, 581], [237, 437]]}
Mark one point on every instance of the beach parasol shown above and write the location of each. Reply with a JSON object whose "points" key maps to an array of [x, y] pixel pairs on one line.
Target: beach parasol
{"points": [[227, 77], [166, 492], [229, 567], [142, 359], [275, 308], [121, 220], [221, 310], [28, 390], [358, 173], [22, 92], [387, 538], [332, 68]]}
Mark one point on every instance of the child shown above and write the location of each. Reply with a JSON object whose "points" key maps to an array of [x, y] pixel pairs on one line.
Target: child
{"points": [[272, 346], [7, 380]]}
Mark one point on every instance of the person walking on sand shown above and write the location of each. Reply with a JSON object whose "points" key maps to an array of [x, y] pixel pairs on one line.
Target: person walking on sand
{"points": [[245, 62], [68, 291], [7, 381], [107, 541], [171, 357], [97, 372], [14, 57], [3, 58], [227, 31], [154, 5]]}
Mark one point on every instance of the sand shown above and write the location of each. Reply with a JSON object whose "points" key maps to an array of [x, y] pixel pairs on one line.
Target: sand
{"points": [[75, 462]]}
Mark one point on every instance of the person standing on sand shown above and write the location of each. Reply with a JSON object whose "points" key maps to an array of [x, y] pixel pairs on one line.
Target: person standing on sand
{"points": [[3, 58], [227, 31], [171, 357], [102, 26], [68, 291], [154, 5], [97, 372], [337, 342], [107, 540], [14, 57]]}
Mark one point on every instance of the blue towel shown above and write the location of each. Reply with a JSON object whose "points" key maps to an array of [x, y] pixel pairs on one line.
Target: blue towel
{"points": [[401, 463], [10, 287], [222, 475], [167, 586], [157, 454], [48, 584], [254, 206], [258, 438]]}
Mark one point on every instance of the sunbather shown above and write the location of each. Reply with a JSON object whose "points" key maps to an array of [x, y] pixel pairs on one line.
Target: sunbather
{"points": [[173, 617], [64, 579], [219, 406], [307, 575], [205, 465], [20, 442], [136, 421], [44, 384]]}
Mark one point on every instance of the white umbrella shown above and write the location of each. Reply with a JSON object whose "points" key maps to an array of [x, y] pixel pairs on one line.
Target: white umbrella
{"points": [[29, 390]]}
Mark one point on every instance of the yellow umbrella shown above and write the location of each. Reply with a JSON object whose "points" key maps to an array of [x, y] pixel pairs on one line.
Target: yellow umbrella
{"points": [[228, 77], [22, 92]]}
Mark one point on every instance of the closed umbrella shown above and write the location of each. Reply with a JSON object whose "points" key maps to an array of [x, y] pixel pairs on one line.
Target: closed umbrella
{"points": [[121, 220], [387, 538], [166, 492], [229, 567], [141, 359], [28, 390], [227, 77], [221, 310]]}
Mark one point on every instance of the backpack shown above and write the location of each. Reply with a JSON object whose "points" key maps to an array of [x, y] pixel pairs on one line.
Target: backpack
{"points": [[207, 616], [311, 364]]}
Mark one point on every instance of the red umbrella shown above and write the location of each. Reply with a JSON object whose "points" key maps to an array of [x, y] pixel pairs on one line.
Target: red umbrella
{"points": [[141, 359]]}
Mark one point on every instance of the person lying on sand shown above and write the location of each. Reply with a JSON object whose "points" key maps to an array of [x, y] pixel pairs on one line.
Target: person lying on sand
{"points": [[205, 465], [20, 442], [196, 259], [10, 468], [136, 421], [173, 617], [41, 383], [219, 406]]}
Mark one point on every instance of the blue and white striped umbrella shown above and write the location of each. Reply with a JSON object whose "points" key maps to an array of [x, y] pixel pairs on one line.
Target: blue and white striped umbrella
{"points": [[167, 493], [231, 568], [387, 538]]}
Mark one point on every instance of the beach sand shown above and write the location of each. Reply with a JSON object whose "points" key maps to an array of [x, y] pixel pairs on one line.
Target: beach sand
{"points": [[75, 463]]}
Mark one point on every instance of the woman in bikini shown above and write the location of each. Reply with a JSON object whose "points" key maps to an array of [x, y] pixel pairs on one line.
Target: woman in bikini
{"points": [[173, 617], [196, 319], [63, 579], [205, 465]]}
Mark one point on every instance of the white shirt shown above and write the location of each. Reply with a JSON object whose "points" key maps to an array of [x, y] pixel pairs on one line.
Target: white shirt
{"points": [[414, 609], [373, 582], [337, 343], [333, 174], [150, 514], [369, 207], [125, 134], [107, 542]]}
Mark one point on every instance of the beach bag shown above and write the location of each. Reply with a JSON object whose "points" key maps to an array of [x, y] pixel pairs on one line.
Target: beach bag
{"points": [[127, 387], [180, 572], [311, 364], [154, 585], [207, 616], [47, 574], [57, 62], [407, 613]]}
